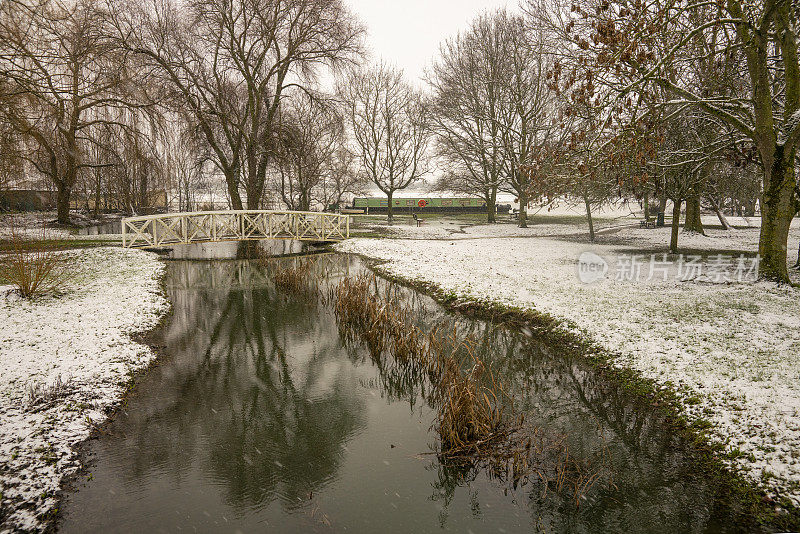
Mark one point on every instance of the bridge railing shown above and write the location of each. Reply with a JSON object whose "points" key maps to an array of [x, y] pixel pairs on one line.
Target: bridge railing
{"points": [[233, 225]]}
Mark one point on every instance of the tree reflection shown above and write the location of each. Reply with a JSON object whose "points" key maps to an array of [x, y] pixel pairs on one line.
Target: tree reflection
{"points": [[256, 380], [653, 482], [258, 395]]}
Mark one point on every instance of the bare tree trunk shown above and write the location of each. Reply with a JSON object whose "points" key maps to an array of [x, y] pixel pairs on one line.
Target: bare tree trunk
{"points": [[523, 209], [693, 222], [491, 206], [305, 201], [389, 207], [720, 215], [254, 197], [589, 217], [662, 204], [797, 263], [646, 203], [143, 186], [98, 186], [676, 222], [63, 193], [749, 208], [777, 211], [233, 191]]}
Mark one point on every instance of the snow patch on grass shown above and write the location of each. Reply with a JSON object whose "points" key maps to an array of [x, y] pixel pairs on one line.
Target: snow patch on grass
{"points": [[732, 351], [34, 225], [64, 361]]}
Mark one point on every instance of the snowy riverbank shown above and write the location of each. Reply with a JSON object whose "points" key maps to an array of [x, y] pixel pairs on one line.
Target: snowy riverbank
{"points": [[731, 349], [64, 361]]}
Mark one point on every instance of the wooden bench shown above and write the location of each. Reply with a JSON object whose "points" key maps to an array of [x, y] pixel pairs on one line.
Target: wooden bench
{"points": [[647, 224]]}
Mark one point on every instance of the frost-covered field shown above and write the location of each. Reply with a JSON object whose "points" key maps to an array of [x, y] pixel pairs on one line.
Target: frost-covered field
{"points": [[64, 361], [732, 350], [446, 228]]}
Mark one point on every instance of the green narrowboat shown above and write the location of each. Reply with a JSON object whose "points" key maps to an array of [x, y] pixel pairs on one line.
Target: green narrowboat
{"points": [[425, 205]]}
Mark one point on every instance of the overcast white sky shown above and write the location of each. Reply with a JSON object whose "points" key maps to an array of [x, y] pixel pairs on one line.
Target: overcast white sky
{"points": [[407, 33]]}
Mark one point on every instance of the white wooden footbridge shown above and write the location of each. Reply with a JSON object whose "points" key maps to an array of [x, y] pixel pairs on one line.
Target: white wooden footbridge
{"points": [[233, 225]]}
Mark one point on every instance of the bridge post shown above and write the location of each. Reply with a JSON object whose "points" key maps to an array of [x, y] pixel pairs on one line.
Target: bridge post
{"points": [[124, 233], [348, 226]]}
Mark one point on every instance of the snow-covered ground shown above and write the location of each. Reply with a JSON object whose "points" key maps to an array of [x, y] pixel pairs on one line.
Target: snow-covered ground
{"points": [[64, 361], [612, 226], [732, 350], [34, 225]]}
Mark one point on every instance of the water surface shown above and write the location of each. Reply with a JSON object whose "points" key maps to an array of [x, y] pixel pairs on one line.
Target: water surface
{"points": [[260, 419]]}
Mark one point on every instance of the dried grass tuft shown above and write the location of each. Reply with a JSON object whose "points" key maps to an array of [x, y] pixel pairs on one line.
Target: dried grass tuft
{"points": [[475, 418], [32, 266], [296, 275]]}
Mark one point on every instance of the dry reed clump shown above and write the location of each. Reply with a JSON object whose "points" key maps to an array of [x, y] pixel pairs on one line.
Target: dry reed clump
{"points": [[470, 416], [474, 415], [298, 277], [32, 266]]}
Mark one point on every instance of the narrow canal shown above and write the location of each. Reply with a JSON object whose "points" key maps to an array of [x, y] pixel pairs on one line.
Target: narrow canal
{"points": [[260, 418]]}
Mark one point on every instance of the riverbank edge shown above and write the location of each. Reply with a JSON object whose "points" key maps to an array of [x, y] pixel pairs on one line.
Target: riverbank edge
{"points": [[736, 490], [147, 338]]}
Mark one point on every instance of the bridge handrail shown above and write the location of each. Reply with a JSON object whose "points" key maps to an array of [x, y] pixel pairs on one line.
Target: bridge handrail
{"points": [[140, 232], [136, 218]]}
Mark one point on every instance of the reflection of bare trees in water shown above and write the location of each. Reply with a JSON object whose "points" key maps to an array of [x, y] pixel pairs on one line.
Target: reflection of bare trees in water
{"points": [[573, 411], [284, 405], [653, 470], [282, 408]]}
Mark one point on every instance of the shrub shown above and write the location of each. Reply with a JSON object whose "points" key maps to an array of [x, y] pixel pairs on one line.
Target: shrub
{"points": [[31, 266]]}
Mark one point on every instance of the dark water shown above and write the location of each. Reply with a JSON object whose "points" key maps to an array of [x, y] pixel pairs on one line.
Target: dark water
{"points": [[259, 420]]}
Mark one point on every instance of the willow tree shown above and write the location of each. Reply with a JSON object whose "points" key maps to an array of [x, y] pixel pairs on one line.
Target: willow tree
{"points": [[229, 64], [61, 71]]}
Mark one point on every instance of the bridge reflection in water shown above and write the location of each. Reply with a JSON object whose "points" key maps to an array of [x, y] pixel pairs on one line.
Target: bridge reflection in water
{"points": [[233, 225]]}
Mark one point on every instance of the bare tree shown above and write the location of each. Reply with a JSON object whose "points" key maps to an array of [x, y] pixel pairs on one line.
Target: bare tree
{"points": [[230, 63], [469, 91], [311, 132], [61, 70], [640, 47], [530, 131], [390, 128], [342, 178]]}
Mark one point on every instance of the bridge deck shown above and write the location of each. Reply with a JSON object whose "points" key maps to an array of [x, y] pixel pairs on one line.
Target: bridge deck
{"points": [[233, 225]]}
